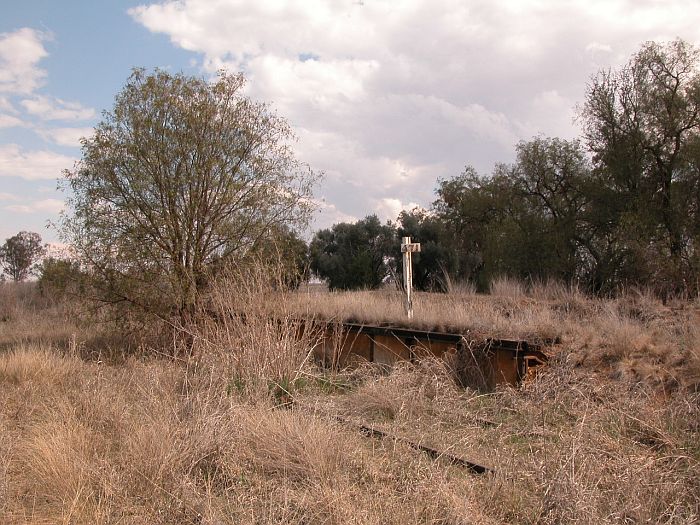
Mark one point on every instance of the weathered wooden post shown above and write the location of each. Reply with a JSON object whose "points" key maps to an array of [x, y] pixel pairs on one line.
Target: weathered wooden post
{"points": [[407, 248]]}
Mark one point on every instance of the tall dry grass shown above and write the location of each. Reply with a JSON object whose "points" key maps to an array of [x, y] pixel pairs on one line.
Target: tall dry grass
{"points": [[151, 441], [27, 317], [239, 337], [634, 335], [133, 444], [244, 428], [479, 314]]}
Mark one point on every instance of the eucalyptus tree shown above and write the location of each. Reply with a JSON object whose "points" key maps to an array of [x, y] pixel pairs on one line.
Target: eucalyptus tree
{"points": [[554, 177], [352, 256], [182, 176], [528, 219], [642, 124], [19, 254]]}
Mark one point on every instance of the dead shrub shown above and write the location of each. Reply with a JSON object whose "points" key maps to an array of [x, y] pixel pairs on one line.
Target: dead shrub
{"points": [[640, 304], [18, 298], [473, 368], [406, 392], [621, 336], [687, 361], [461, 288], [554, 290]]}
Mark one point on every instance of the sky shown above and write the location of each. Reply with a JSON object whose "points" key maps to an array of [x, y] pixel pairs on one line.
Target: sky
{"points": [[385, 97]]}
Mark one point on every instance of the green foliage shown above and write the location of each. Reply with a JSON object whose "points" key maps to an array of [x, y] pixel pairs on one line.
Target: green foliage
{"points": [[180, 179], [628, 215], [533, 220], [552, 181], [353, 256], [59, 276], [19, 254], [642, 124]]}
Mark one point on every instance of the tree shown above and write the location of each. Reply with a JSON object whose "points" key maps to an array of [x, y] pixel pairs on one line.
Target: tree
{"points": [[642, 123], [182, 177], [289, 255], [553, 176], [494, 226], [59, 276], [526, 220], [19, 254], [353, 256], [470, 206]]}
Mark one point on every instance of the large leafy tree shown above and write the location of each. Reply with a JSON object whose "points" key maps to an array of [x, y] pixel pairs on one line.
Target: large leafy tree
{"points": [[182, 176], [352, 256], [642, 123], [496, 226], [473, 208], [626, 211], [19, 254], [528, 219], [553, 179]]}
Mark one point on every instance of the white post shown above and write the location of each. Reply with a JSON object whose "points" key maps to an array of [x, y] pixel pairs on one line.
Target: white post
{"points": [[407, 248]]}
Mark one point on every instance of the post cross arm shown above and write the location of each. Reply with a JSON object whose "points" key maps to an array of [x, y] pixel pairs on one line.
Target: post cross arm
{"points": [[410, 247]]}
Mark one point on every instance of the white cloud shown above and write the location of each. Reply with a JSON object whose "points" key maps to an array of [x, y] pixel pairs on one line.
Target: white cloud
{"points": [[552, 111], [32, 165], [387, 96], [48, 108], [66, 136], [320, 83], [52, 206], [348, 198], [328, 215], [6, 106], [8, 197], [237, 29], [389, 208], [10, 121], [597, 47], [20, 53]]}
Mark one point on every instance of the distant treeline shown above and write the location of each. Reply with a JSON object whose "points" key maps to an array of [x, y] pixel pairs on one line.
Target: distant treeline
{"points": [[615, 208]]}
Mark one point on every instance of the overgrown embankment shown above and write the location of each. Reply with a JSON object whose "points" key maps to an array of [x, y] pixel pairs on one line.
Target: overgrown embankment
{"points": [[245, 429]]}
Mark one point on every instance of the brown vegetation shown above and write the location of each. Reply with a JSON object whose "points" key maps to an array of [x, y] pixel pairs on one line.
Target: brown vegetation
{"points": [[243, 428]]}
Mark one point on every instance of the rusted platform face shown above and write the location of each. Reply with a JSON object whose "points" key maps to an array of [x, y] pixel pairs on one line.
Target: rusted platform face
{"points": [[483, 363]]}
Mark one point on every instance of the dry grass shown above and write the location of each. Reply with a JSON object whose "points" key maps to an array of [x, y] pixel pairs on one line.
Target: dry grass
{"points": [[565, 448], [27, 317], [496, 316], [154, 442], [507, 287], [242, 341], [607, 433], [634, 336]]}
